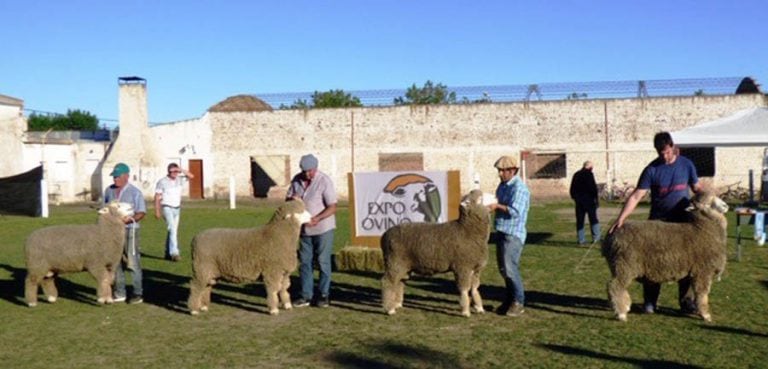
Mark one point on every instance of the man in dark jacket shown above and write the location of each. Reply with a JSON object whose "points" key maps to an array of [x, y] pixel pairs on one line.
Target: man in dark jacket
{"points": [[584, 193]]}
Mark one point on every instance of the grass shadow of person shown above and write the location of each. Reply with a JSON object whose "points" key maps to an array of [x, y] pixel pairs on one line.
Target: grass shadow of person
{"points": [[390, 354], [639, 363]]}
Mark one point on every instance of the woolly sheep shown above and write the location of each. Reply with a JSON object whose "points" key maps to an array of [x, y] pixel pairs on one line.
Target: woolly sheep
{"points": [[97, 248], [663, 252], [242, 255], [460, 246]]}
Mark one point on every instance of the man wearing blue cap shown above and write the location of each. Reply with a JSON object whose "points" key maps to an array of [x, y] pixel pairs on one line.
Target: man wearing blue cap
{"points": [[316, 190], [123, 191]]}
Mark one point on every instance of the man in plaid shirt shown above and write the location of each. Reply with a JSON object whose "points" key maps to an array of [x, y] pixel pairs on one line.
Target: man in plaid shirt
{"points": [[509, 225]]}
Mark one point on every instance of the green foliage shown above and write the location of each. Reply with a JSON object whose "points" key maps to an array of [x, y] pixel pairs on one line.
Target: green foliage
{"points": [[698, 92], [327, 99], [335, 99], [428, 94], [74, 120], [483, 100]]}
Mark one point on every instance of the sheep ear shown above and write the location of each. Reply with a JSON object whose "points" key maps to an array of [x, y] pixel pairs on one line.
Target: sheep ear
{"points": [[104, 210]]}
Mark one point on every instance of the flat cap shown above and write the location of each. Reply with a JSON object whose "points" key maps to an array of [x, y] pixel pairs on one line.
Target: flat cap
{"points": [[505, 162]]}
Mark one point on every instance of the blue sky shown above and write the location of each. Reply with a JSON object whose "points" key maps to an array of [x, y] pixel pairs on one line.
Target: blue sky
{"points": [[59, 55]]}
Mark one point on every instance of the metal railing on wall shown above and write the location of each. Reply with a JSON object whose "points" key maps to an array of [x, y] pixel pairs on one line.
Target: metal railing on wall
{"points": [[540, 91]]}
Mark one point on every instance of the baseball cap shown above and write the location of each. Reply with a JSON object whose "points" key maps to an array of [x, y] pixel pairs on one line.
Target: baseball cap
{"points": [[120, 169]]}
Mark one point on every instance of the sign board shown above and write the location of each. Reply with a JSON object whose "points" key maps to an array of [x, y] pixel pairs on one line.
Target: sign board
{"points": [[382, 200]]}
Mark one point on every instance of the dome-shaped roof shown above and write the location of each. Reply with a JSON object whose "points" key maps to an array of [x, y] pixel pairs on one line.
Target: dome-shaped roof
{"points": [[240, 103]]}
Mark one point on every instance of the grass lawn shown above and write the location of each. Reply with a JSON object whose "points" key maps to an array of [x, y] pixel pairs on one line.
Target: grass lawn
{"points": [[567, 323]]}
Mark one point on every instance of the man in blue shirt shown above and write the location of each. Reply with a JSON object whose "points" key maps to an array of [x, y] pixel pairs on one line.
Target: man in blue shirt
{"points": [[668, 178], [509, 225]]}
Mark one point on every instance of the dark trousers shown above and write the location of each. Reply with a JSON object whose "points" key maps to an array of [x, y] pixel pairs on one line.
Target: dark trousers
{"points": [[591, 211], [652, 290]]}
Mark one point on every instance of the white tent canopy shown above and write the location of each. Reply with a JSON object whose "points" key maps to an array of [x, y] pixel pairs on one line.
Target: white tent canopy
{"points": [[747, 127]]}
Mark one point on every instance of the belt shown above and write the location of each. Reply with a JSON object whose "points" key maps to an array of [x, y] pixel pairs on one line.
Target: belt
{"points": [[169, 206]]}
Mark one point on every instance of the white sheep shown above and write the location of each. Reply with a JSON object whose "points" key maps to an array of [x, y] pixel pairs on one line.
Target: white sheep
{"points": [[664, 252], [460, 246], [97, 248], [243, 255]]}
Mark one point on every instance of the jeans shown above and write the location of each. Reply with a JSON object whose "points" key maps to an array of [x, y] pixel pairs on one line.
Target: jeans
{"points": [[318, 247], [594, 224], [172, 217], [132, 261], [508, 251]]}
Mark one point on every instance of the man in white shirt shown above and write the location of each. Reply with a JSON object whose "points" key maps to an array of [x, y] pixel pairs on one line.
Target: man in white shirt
{"points": [[168, 205]]}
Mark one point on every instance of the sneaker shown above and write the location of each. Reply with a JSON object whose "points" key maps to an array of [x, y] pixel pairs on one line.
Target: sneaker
{"points": [[300, 302], [175, 258], [648, 308], [136, 300], [324, 302], [118, 299], [516, 310]]}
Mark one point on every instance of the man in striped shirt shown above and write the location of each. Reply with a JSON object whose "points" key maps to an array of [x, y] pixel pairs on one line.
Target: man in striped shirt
{"points": [[509, 225]]}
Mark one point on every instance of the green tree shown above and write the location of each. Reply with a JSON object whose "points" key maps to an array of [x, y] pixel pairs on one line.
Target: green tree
{"points": [[335, 99], [74, 120], [327, 99], [429, 94]]}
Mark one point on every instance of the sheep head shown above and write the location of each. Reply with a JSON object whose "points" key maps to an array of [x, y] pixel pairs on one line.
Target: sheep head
{"points": [[708, 200], [293, 209], [478, 197], [118, 209]]}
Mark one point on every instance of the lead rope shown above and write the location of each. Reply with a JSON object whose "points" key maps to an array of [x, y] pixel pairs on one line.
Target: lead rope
{"points": [[584, 257]]}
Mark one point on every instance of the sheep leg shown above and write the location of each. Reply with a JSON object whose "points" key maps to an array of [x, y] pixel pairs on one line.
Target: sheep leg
{"points": [[31, 284], [272, 284], [701, 287], [619, 296], [476, 299], [284, 295], [49, 288], [103, 285], [390, 292], [464, 282], [196, 291]]}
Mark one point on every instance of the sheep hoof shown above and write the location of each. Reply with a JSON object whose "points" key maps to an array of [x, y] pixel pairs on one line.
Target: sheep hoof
{"points": [[287, 306], [109, 301], [194, 312], [398, 305], [51, 299], [622, 317], [466, 313], [101, 300], [706, 317], [478, 309], [31, 304], [274, 312], [204, 308], [391, 312]]}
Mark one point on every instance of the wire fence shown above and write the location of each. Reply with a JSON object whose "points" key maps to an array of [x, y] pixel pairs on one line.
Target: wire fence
{"points": [[540, 91]]}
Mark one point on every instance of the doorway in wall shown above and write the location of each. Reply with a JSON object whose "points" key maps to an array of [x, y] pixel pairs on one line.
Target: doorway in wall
{"points": [[268, 171], [196, 184]]}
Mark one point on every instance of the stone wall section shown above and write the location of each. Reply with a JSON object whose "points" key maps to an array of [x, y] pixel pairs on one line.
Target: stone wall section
{"points": [[470, 137]]}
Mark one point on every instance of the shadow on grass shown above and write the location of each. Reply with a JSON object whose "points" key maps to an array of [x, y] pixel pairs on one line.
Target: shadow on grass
{"points": [[640, 363], [389, 354], [13, 290], [731, 330]]}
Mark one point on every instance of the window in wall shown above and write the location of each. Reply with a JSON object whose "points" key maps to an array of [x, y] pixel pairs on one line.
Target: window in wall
{"points": [[703, 158], [545, 166], [401, 161]]}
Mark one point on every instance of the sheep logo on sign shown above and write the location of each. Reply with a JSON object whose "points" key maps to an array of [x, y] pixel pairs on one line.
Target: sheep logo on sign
{"points": [[406, 198]]}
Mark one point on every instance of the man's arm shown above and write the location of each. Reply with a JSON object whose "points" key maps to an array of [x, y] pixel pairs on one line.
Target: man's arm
{"points": [[628, 208], [158, 198], [328, 211]]}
